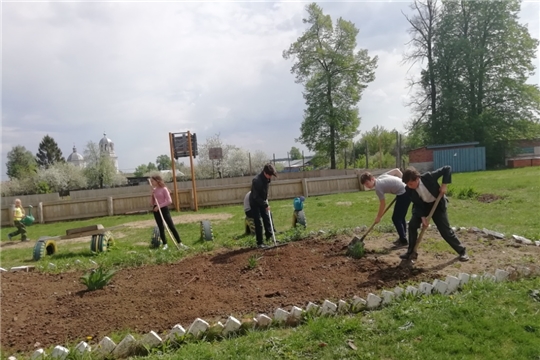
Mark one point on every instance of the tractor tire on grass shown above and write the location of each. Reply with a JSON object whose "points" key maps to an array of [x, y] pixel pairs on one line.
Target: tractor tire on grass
{"points": [[155, 241], [101, 242], [44, 247], [299, 218], [206, 231]]}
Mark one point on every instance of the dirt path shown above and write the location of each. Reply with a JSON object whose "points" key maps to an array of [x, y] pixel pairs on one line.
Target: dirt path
{"points": [[43, 309], [179, 219]]}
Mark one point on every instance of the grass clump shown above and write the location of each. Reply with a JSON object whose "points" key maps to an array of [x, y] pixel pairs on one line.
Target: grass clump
{"points": [[253, 261], [356, 248], [97, 278], [462, 193]]}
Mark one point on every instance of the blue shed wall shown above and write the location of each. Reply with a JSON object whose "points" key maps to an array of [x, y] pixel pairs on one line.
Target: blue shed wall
{"points": [[461, 160]]}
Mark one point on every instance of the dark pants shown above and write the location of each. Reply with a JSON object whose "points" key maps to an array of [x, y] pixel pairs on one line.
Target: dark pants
{"points": [[440, 218], [400, 212], [257, 213], [21, 229], [170, 224]]}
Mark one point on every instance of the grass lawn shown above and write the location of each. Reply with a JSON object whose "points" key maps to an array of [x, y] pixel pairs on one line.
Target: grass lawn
{"points": [[484, 321]]}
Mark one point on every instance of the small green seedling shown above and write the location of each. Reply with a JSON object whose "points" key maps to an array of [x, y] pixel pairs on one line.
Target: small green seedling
{"points": [[253, 261], [97, 278]]}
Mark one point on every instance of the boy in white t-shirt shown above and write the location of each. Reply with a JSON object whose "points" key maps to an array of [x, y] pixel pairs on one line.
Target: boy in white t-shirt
{"points": [[390, 183]]}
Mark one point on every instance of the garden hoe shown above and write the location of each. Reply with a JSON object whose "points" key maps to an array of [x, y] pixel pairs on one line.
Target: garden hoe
{"points": [[163, 219], [407, 263], [356, 240], [273, 234]]}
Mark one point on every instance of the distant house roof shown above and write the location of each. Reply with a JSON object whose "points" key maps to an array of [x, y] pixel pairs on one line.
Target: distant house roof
{"points": [[294, 163], [452, 145], [299, 162], [178, 172], [447, 146]]}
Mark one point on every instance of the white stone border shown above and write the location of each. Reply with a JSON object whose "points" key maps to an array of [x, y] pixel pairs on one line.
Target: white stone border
{"points": [[129, 345]]}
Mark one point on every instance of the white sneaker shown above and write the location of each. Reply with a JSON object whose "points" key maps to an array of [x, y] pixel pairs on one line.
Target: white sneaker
{"points": [[183, 247], [165, 247]]}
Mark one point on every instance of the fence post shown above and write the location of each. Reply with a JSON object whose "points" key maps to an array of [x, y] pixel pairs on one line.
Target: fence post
{"points": [[305, 187], [360, 186], [11, 218], [191, 202], [40, 212], [110, 208]]}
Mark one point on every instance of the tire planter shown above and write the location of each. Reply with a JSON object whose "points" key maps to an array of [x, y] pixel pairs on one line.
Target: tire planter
{"points": [[101, 242], [250, 225], [155, 241], [299, 218], [206, 231], [44, 247]]}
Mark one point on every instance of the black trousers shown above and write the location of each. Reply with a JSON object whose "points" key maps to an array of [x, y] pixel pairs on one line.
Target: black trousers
{"points": [[21, 229], [258, 213], [170, 224], [440, 218], [400, 212]]}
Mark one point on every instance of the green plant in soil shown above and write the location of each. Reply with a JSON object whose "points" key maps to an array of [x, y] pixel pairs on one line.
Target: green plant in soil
{"points": [[356, 250], [97, 278], [253, 261]]}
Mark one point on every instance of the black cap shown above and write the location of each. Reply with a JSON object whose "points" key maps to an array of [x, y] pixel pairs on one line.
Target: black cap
{"points": [[270, 170]]}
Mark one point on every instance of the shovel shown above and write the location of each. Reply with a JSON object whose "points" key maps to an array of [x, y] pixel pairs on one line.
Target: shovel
{"points": [[414, 255], [372, 226]]}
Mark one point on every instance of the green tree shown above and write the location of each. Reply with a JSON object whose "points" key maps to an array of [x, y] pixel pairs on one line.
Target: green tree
{"points": [[381, 146], [48, 152], [20, 163], [141, 170], [152, 167], [100, 170], [482, 58], [163, 162], [334, 76], [295, 153]]}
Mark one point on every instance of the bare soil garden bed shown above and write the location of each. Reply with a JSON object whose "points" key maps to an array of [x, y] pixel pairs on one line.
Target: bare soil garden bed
{"points": [[40, 310]]}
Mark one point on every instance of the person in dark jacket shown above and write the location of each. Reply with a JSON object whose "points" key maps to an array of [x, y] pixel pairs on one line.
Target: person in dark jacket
{"points": [[423, 191], [258, 201]]}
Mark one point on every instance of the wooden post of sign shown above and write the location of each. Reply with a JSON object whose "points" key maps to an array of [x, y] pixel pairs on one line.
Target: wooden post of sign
{"points": [[194, 186], [173, 167]]}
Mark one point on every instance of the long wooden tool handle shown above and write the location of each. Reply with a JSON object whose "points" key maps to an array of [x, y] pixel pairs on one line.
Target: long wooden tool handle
{"points": [[163, 219], [272, 226], [428, 218], [373, 225]]}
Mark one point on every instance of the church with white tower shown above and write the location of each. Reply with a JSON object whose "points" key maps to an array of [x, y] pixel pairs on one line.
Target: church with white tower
{"points": [[106, 148], [76, 159]]}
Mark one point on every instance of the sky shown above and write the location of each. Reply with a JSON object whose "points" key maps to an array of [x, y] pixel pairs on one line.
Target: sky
{"points": [[139, 70]]}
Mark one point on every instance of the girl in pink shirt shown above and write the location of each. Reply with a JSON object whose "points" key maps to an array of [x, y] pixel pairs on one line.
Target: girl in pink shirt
{"points": [[161, 199]]}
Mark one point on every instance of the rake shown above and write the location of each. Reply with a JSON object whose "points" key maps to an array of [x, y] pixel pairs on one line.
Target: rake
{"points": [[163, 219]]}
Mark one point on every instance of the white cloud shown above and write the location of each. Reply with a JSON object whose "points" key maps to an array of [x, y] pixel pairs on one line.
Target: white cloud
{"points": [[139, 70]]}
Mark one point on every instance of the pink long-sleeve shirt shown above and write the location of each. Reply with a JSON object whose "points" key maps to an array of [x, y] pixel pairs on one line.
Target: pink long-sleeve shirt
{"points": [[163, 197]]}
